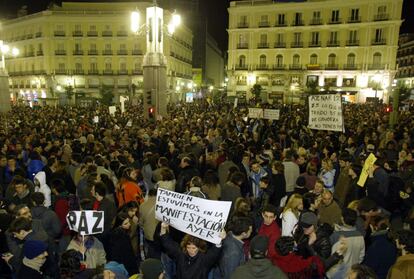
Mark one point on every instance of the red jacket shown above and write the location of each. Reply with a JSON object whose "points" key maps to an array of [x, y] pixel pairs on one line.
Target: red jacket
{"points": [[273, 233], [299, 268]]}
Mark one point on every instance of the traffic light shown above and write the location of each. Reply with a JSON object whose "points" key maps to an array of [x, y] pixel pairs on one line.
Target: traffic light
{"points": [[148, 96], [151, 112]]}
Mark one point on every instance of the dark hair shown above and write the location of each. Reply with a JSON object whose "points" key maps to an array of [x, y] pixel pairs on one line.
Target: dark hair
{"points": [[356, 168], [270, 208], [380, 222], [128, 206], [17, 179], [350, 216], [344, 156], [265, 179], [237, 177], [167, 175], [189, 239], [70, 264], [363, 272], [284, 245], [59, 185], [240, 225], [19, 224], [152, 192], [37, 198], [120, 218], [366, 205], [86, 204], [308, 199], [210, 178], [163, 161], [100, 188], [406, 238]]}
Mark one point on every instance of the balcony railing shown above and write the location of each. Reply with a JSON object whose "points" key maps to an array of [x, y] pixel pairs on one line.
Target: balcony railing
{"points": [[298, 22], [280, 24], [241, 67], [315, 21], [242, 45], [92, 52], [351, 66], [381, 17], [122, 72], [335, 21], [264, 24], [92, 33], [262, 67], [39, 53], [77, 34], [377, 42], [61, 72], [263, 45], [295, 66], [279, 67], [376, 66], [108, 72], [107, 52], [280, 45], [242, 25], [241, 82], [352, 43], [354, 19], [59, 33], [296, 44], [315, 44], [122, 33], [93, 72], [331, 67], [78, 72], [313, 67], [332, 43], [106, 33], [136, 52], [60, 52], [78, 52], [122, 52]]}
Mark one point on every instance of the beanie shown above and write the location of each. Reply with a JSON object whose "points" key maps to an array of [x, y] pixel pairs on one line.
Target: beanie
{"points": [[151, 268], [118, 269], [33, 248]]}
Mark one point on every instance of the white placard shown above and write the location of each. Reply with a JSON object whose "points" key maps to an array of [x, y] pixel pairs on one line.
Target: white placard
{"points": [[235, 102], [272, 114], [96, 119], [325, 112], [86, 222], [202, 218], [112, 110], [255, 113], [129, 123]]}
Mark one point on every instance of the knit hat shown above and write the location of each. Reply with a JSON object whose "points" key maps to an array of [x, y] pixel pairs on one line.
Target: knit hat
{"points": [[118, 269], [33, 248], [259, 245], [308, 219], [151, 268]]}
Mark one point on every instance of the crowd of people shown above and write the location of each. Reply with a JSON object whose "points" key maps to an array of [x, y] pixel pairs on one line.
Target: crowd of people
{"points": [[298, 207]]}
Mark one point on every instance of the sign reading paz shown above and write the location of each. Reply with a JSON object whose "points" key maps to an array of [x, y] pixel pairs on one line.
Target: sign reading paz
{"points": [[202, 218], [86, 222], [325, 112]]}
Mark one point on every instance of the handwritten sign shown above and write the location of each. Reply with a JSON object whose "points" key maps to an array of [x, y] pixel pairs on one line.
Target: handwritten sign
{"points": [[369, 162], [112, 110], [86, 222], [271, 114], [325, 112], [202, 218], [255, 113]]}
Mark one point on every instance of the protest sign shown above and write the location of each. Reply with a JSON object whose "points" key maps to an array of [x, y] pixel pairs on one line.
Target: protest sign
{"points": [[96, 119], [325, 112], [86, 222], [369, 162], [199, 217], [255, 113], [271, 114], [112, 110]]}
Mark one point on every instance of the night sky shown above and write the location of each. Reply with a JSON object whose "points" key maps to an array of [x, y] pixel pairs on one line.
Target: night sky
{"points": [[216, 13]]}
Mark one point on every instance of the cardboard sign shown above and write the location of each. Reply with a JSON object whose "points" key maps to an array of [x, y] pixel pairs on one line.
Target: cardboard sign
{"points": [[369, 162], [325, 112], [255, 113], [201, 218], [86, 222], [271, 114], [112, 110]]}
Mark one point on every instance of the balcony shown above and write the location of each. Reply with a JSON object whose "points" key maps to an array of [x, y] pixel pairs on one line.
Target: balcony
{"points": [[263, 45], [313, 67], [262, 67], [332, 44], [281, 24], [77, 34], [61, 72], [354, 19], [242, 45], [122, 33], [295, 66], [93, 72], [108, 72], [106, 33], [241, 67], [331, 67], [263, 24], [376, 66], [92, 33], [78, 72], [39, 53], [107, 52], [242, 25], [352, 43], [59, 33], [298, 22], [381, 17], [280, 45], [296, 44], [279, 67], [315, 21], [78, 52], [137, 72], [377, 42], [122, 72], [136, 52], [60, 52], [315, 44], [122, 52], [351, 67], [92, 52], [335, 21], [38, 34]]}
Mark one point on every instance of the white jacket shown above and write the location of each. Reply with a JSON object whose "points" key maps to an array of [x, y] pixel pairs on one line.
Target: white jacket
{"points": [[289, 222], [43, 188]]}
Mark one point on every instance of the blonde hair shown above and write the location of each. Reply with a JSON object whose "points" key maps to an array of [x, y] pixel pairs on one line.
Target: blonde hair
{"points": [[329, 164], [293, 203]]}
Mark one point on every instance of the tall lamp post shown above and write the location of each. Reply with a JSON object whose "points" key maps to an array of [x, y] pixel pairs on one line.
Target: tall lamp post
{"points": [[4, 76], [154, 64]]}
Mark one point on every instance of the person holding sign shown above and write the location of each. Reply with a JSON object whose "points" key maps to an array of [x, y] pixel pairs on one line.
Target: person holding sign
{"points": [[193, 259], [91, 249]]}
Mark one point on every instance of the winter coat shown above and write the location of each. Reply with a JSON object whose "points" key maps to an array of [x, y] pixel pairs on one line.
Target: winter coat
{"points": [[50, 221], [196, 267], [273, 233], [289, 222], [223, 171], [184, 177], [291, 174], [43, 188], [95, 253], [299, 268], [279, 183], [34, 167], [403, 268], [120, 250], [109, 208], [232, 256], [27, 272], [258, 269]]}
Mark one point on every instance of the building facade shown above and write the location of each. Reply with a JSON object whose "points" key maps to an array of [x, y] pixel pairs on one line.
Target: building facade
{"points": [[405, 61], [339, 46], [87, 47]]}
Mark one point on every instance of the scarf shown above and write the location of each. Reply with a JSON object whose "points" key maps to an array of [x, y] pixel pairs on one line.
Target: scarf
{"points": [[35, 263]]}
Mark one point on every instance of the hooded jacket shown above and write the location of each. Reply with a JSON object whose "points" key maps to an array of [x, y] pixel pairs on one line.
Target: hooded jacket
{"points": [[43, 188], [258, 269]]}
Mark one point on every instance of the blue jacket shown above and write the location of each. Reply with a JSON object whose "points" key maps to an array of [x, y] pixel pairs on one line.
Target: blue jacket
{"points": [[232, 256], [33, 168]]}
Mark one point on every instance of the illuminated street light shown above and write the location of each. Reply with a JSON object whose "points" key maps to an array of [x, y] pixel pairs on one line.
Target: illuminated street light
{"points": [[135, 21]]}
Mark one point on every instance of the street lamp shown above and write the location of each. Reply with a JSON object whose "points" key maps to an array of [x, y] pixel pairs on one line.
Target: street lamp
{"points": [[377, 84], [154, 64], [4, 77], [5, 49]]}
